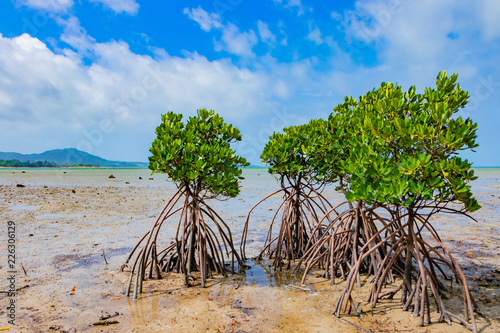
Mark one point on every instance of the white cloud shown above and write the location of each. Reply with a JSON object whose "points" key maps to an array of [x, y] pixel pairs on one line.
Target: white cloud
{"points": [[145, 37], [76, 36], [490, 12], [232, 41], [413, 37], [301, 9], [314, 34], [336, 16], [265, 34], [236, 42], [49, 99], [57, 6], [207, 21], [120, 6], [284, 40], [48, 5]]}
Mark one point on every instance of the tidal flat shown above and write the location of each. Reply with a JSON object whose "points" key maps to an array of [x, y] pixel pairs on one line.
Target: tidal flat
{"points": [[70, 222]]}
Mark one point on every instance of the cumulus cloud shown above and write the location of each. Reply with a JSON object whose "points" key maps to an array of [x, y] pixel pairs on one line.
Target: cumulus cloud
{"points": [[75, 36], [314, 33], [265, 34], [48, 5], [232, 41], [48, 98], [120, 6], [294, 4], [236, 42], [59, 6], [207, 21], [413, 38]]}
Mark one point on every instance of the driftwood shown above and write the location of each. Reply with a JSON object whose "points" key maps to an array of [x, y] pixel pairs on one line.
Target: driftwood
{"points": [[105, 322]]}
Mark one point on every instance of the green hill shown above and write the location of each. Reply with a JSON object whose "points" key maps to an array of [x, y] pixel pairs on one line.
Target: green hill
{"points": [[70, 156]]}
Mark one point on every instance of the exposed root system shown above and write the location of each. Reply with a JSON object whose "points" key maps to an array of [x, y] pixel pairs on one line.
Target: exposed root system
{"points": [[203, 242], [301, 210], [361, 241]]}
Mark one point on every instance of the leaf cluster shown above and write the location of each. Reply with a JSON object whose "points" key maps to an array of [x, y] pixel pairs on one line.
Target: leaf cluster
{"points": [[198, 153], [401, 147], [292, 154]]}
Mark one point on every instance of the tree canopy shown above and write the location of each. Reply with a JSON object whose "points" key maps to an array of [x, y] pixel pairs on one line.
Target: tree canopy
{"points": [[402, 147], [198, 153], [292, 154]]}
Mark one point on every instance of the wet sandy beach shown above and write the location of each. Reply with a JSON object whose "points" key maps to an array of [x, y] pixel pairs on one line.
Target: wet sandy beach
{"points": [[69, 222]]}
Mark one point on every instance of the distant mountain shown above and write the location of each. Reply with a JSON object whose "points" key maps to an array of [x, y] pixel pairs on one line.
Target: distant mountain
{"points": [[70, 156]]}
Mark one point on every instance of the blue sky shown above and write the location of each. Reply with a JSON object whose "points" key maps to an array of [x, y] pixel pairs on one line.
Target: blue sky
{"points": [[97, 74]]}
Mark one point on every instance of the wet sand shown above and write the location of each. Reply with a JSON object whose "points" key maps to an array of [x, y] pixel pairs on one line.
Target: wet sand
{"points": [[66, 221]]}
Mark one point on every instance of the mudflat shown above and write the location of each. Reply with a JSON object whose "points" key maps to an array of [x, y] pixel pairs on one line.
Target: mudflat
{"points": [[74, 228]]}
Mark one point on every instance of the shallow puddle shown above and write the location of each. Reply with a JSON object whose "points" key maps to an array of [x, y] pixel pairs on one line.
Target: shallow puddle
{"points": [[262, 274]]}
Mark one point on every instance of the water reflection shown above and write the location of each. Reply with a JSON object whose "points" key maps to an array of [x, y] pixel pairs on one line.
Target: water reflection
{"points": [[261, 274]]}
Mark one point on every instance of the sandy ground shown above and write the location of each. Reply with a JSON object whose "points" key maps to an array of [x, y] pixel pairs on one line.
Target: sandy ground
{"points": [[66, 221]]}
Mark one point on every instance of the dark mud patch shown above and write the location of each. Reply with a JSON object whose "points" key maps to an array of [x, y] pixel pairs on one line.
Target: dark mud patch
{"points": [[68, 262]]}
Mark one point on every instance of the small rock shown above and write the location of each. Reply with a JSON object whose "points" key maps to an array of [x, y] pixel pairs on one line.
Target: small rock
{"points": [[111, 177], [127, 183], [23, 171], [150, 178], [30, 235], [73, 191], [20, 185], [140, 177]]}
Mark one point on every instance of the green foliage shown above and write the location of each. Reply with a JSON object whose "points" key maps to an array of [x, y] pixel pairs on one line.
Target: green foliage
{"points": [[293, 153], [28, 164], [401, 147], [197, 154]]}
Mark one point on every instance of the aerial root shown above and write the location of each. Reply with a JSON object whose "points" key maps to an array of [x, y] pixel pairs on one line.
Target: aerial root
{"points": [[360, 241], [298, 228], [203, 243]]}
